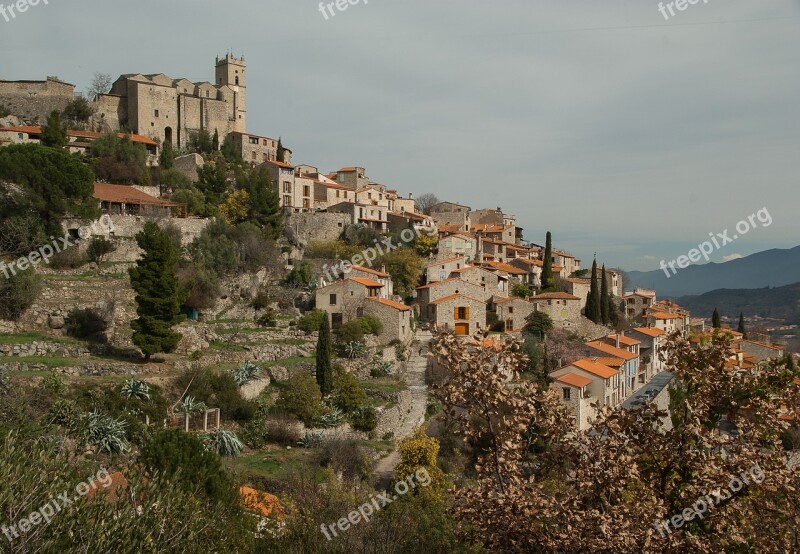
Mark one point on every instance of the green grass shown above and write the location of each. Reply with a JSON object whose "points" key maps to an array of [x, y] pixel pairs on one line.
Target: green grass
{"points": [[234, 330], [288, 363], [49, 361], [27, 338], [226, 346], [292, 342], [384, 384], [381, 446], [274, 464]]}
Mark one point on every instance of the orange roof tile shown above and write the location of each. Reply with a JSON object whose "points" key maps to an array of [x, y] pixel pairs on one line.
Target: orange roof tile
{"points": [[448, 260], [662, 315], [370, 270], [29, 129], [612, 350], [506, 267], [554, 296], [126, 194], [574, 379], [391, 304], [627, 341], [279, 164], [611, 362], [366, 282], [650, 331], [588, 364]]}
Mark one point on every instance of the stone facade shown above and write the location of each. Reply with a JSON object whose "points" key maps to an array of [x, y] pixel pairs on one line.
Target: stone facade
{"points": [[559, 306], [513, 312], [429, 294], [34, 100], [303, 228], [345, 300], [458, 245], [127, 226], [189, 165], [257, 149], [460, 314], [395, 317], [441, 270]]}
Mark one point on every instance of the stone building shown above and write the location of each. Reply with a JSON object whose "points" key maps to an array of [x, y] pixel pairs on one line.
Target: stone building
{"points": [[346, 299], [560, 306], [450, 213], [32, 101], [257, 149], [395, 317], [460, 314], [441, 270], [458, 245], [170, 110], [428, 295], [512, 313]]}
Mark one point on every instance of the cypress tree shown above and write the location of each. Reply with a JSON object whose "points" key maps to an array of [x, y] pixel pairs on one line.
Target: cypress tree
{"points": [[324, 362], [593, 298], [741, 328], [158, 293], [281, 153], [605, 308], [53, 133], [715, 321], [547, 269], [215, 141]]}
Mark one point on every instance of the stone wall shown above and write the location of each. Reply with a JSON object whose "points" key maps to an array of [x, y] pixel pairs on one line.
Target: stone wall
{"points": [[34, 100], [302, 228], [127, 226]]}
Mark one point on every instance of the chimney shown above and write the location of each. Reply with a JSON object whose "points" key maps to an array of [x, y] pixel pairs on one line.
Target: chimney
{"points": [[617, 337], [383, 268], [411, 196]]}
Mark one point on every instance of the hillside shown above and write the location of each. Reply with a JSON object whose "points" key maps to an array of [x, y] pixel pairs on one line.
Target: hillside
{"points": [[771, 268], [780, 302]]}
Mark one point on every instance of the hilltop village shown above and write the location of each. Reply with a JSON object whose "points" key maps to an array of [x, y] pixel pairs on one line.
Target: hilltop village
{"points": [[287, 314]]}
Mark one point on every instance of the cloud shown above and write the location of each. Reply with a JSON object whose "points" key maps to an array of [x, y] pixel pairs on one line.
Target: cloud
{"points": [[731, 257]]}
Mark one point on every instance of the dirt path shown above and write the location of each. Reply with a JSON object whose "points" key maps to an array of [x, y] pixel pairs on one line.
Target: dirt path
{"points": [[415, 378]]}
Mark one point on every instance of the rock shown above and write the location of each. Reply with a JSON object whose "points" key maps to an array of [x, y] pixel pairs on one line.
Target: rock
{"points": [[55, 322], [278, 373]]}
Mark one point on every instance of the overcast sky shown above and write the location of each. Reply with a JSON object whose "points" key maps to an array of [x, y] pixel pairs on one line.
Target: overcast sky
{"points": [[621, 132]]}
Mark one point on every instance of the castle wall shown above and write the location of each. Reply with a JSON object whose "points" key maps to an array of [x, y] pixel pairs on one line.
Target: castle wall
{"points": [[33, 101]]}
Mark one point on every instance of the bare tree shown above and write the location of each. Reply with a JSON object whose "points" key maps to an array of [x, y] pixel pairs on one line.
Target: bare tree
{"points": [[425, 202], [101, 84]]}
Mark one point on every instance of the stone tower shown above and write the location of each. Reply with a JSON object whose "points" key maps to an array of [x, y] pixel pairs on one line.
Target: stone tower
{"points": [[230, 71]]}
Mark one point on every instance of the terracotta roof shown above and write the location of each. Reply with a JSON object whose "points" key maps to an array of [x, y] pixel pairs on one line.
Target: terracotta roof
{"points": [[370, 270], [126, 194], [627, 341], [335, 186], [454, 296], [366, 282], [36, 130], [510, 299], [611, 362], [663, 315], [554, 296], [578, 280], [588, 364], [348, 169], [574, 379], [391, 304], [279, 164], [450, 228], [30, 129], [650, 331], [612, 350]]}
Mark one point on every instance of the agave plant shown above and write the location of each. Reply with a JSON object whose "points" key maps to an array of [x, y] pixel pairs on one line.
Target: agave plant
{"points": [[106, 433], [387, 368], [224, 443], [190, 405], [245, 373], [310, 440], [334, 418], [353, 349], [136, 388]]}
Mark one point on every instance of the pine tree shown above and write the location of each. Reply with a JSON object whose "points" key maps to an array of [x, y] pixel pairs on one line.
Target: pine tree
{"points": [[547, 268], [324, 354], [158, 294], [605, 309], [742, 328], [281, 154], [215, 141], [593, 298], [53, 133], [715, 321]]}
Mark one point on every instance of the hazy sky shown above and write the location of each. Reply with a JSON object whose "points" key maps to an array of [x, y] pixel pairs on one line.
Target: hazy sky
{"points": [[620, 131]]}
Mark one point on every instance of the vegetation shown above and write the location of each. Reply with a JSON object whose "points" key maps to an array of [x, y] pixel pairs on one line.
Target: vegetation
{"points": [[18, 293], [715, 319], [158, 295], [324, 370], [54, 134], [547, 278], [592, 310], [86, 324], [99, 248], [119, 160], [78, 112], [312, 321], [301, 397]]}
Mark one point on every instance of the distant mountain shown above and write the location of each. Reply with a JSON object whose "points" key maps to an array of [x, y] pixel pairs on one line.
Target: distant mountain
{"points": [[771, 268], [780, 303]]}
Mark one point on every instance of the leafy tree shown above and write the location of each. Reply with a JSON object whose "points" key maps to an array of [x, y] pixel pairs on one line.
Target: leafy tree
{"points": [[214, 250], [173, 179], [235, 207], [193, 198], [18, 292], [99, 248], [426, 243], [203, 287], [166, 159], [101, 84], [547, 264], [605, 308], [201, 142], [406, 267], [86, 324], [419, 452], [312, 321], [349, 395], [324, 358], [364, 419], [158, 294], [230, 152], [523, 290], [118, 160], [301, 275], [715, 320], [538, 324], [54, 134], [78, 111], [215, 141], [592, 309], [741, 327], [20, 234], [301, 397], [425, 202]]}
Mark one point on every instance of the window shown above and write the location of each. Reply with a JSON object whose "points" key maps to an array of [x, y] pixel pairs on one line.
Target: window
{"points": [[287, 200], [359, 312], [254, 155], [156, 113], [332, 300], [462, 312], [566, 393], [253, 140], [306, 190], [511, 309], [510, 325], [287, 186], [237, 81], [336, 320]]}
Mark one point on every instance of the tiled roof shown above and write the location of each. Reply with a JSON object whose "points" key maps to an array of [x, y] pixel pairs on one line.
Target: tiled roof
{"points": [[627, 341], [588, 364], [366, 282], [611, 362], [391, 304], [612, 350], [650, 331], [370, 270], [36, 130], [663, 315], [30, 129], [279, 164], [126, 194], [574, 379]]}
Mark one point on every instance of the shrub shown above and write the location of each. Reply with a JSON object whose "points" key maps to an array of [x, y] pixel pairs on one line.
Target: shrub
{"points": [[348, 393], [311, 440], [371, 325], [281, 429], [352, 331], [53, 384], [311, 322], [69, 258], [302, 398], [98, 249], [301, 275], [86, 324], [224, 443], [364, 419], [218, 390], [268, 319], [347, 458], [18, 293]]}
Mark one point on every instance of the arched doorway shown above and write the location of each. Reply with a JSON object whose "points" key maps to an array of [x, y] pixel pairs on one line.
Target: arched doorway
{"points": [[168, 135]]}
